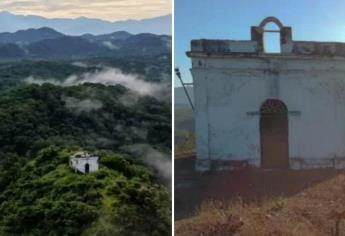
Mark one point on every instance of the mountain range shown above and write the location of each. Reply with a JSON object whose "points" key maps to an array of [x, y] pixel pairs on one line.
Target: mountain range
{"points": [[47, 43], [181, 97], [11, 23]]}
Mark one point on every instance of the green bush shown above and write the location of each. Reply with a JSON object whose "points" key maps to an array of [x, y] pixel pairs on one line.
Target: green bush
{"points": [[49, 198]]}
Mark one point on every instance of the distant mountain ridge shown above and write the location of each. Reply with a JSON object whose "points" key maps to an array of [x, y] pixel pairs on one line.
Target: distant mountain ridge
{"points": [[46, 43], [11, 23], [29, 36], [181, 97]]}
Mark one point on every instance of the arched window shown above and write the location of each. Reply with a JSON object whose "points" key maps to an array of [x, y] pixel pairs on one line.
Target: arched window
{"points": [[271, 38], [271, 28]]}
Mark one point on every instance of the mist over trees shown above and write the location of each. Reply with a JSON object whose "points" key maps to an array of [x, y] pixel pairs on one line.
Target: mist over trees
{"points": [[117, 108]]}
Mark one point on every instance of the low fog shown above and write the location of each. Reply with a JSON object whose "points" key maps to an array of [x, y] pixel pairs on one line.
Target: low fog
{"points": [[107, 76], [78, 106], [153, 158], [138, 87]]}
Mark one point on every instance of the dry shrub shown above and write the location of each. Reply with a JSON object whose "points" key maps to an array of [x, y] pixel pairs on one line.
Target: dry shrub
{"points": [[317, 211]]}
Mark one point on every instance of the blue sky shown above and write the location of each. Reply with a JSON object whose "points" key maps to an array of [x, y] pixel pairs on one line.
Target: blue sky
{"points": [[311, 20]]}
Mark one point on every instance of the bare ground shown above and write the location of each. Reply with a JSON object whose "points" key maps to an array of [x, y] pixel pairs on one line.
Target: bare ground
{"points": [[258, 202]]}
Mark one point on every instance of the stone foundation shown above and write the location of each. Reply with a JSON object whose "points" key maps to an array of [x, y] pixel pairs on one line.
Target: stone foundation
{"points": [[220, 165], [299, 163], [295, 164]]}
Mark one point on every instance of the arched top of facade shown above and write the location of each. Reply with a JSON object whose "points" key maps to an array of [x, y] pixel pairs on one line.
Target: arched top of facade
{"points": [[285, 35], [270, 19], [273, 106]]}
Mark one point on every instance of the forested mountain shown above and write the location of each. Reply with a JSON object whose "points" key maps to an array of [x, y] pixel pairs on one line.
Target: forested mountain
{"points": [[90, 115], [41, 125], [181, 96], [46, 43], [10, 22], [43, 196], [11, 51], [119, 35], [105, 94], [23, 37], [151, 69]]}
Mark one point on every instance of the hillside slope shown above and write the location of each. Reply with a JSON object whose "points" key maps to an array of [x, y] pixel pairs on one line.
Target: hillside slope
{"points": [[316, 211], [45, 197], [92, 115], [42, 125]]}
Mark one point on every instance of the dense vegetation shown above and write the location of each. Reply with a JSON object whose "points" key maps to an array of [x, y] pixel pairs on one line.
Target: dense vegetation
{"points": [[42, 125], [46, 43], [90, 115], [15, 73], [45, 197]]}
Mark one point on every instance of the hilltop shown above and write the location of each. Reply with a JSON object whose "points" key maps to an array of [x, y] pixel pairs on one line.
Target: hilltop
{"points": [[44, 196], [41, 125]]}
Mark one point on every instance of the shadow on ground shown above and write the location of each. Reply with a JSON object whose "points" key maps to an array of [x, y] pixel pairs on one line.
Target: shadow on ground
{"points": [[192, 188]]}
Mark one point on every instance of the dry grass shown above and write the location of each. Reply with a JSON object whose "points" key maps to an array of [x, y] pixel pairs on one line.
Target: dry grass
{"points": [[186, 148], [315, 211]]}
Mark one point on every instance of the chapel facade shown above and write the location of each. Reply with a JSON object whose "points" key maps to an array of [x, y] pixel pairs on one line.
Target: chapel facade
{"points": [[269, 110]]}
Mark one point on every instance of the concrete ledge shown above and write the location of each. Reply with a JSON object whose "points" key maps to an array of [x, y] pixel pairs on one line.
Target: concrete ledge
{"points": [[250, 47]]}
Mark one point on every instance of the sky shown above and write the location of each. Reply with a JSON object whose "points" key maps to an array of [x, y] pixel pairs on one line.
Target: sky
{"points": [[113, 10], [311, 20]]}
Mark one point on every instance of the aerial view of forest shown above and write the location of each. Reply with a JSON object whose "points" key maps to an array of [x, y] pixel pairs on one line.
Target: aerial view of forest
{"points": [[107, 94]]}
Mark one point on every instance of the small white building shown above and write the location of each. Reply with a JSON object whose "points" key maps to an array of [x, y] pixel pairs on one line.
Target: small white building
{"points": [[84, 162], [269, 110]]}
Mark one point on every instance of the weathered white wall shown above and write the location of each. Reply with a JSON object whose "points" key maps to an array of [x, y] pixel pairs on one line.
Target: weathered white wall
{"points": [[79, 164], [229, 91]]}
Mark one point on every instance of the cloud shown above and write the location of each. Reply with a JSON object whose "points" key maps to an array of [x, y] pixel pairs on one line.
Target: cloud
{"points": [[129, 99], [110, 45], [106, 76], [80, 64], [78, 106], [152, 157], [113, 10]]}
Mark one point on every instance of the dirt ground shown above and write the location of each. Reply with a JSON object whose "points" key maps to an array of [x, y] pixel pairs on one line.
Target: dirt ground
{"points": [[192, 188]]}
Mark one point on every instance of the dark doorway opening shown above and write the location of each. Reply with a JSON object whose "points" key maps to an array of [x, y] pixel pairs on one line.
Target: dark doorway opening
{"points": [[87, 168], [274, 135]]}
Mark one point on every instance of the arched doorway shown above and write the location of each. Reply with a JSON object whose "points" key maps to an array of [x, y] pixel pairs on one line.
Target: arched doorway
{"points": [[87, 168], [274, 135]]}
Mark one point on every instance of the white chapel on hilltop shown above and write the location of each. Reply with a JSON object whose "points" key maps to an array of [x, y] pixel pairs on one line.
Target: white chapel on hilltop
{"points": [[84, 162]]}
